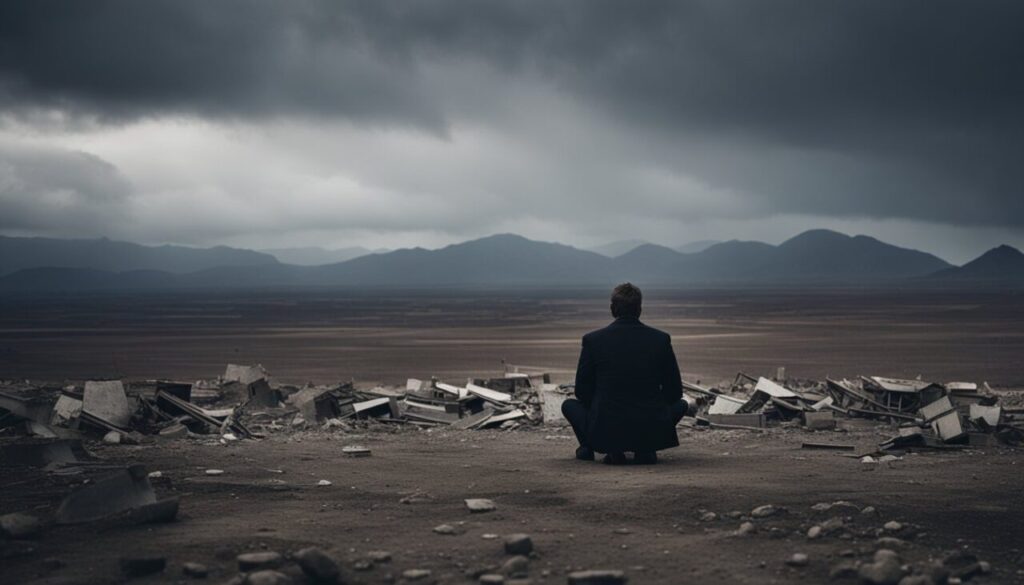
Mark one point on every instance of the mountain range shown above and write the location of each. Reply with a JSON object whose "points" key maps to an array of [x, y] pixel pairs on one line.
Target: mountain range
{"points": [[312, 256], [813, 258]]}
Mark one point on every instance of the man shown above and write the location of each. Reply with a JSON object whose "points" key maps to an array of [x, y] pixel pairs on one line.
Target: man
{"points": [[628, 388]]}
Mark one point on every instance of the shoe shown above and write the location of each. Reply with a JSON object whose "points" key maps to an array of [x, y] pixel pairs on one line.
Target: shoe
{"points": [[645, 457], [584, 453], [615, 459]]}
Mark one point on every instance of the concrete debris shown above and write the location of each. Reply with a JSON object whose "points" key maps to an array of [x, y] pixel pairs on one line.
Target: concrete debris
{"points": [[126, 491], [932, 415]]}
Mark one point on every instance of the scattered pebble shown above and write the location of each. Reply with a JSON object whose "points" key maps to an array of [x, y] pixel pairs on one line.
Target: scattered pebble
{"points": [[480, 505], [708, 517], [798, 560], [195, 570], [814, 532], [446, 529], [259, 561], [323, 482], [764, 511], [597, 578], [214, 472], [745, 528], [379, 556], [267, 578], [415, 574], [893, 526]]}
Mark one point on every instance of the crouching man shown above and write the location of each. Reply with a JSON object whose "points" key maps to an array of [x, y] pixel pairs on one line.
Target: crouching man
{"points": [[628, 388]]}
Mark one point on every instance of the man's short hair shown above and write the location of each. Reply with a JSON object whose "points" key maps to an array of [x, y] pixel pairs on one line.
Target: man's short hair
{"points": [[626, 300]]}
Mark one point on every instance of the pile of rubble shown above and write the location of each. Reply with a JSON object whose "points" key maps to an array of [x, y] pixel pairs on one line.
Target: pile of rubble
{"points": [[244, 403], [928, 414]]}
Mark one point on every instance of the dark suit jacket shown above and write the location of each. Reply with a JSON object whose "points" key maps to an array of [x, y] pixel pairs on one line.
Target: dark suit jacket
{"points": [[628, 377]]}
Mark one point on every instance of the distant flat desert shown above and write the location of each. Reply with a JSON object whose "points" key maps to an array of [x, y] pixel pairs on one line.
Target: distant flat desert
{"points": [[387, 336]]}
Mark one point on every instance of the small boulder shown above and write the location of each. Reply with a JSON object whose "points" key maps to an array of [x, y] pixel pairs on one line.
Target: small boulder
{"points": [[480, 505], [491, 579], [446, 529], [745, 528], [379, 556], [885, 570], [415, 574], [893, 526]]}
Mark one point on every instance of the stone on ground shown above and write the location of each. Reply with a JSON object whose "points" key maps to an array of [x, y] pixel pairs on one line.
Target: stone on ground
{"points": [[318, 566]]}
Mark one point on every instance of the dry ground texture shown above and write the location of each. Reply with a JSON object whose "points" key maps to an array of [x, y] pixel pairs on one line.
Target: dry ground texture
{"points": [[645, 520]]}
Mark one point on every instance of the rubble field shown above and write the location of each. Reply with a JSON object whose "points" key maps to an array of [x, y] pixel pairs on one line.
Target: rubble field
{"points": [[240, 479]]}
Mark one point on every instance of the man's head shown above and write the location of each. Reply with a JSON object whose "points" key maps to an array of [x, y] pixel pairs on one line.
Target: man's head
{"points": [[626, 300]]}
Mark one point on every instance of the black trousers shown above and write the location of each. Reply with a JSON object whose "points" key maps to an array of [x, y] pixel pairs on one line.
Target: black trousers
{"points": [[576, 413]]}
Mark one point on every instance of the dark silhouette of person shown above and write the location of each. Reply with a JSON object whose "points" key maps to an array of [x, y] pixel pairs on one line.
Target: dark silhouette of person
{"points": [[628, 387]]}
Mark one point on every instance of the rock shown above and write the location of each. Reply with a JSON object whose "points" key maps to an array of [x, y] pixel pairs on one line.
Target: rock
{"points": [[356, 451], [916, 580], [708, 517], [17, 525], [868, 459], [379, 556], [622, 531], [848, 552], [415, 574], [764, 511], [323, 483], [888, 458], [318, 566], [814, 532], [491, 579], [517, 566], [885, 570], [195, 570], [843, 570], [518, 544], [133, 567], [480, 505], [892, 526], [798, 560], [821, 507], [745, 528], [869, 511], [890, 542], [267, 578], [214, 472], [446, 529], [597, 578], [112, 438], [259, 561]]}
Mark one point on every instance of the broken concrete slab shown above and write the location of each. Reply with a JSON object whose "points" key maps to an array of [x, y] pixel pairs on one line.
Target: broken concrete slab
{"points": [[113, 494], [107, 401], [244, 374]]}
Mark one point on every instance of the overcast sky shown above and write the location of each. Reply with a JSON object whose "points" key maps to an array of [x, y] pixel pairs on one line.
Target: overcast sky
{"points": [[386, 124]]}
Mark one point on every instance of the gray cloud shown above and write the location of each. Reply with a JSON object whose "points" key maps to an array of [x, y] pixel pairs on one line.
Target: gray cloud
{"points": [[712, 110], [46, 189]]}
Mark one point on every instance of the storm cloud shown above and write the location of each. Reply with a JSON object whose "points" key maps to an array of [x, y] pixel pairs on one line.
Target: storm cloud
{"points": [[590, 119]]}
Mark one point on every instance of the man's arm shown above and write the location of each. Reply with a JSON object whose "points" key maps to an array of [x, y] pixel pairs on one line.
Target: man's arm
{"points": [[585, 375], [672, 380]]}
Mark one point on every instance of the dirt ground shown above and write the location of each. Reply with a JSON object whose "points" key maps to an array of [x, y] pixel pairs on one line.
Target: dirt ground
{"points": [[644, 520], [327, 336]]}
